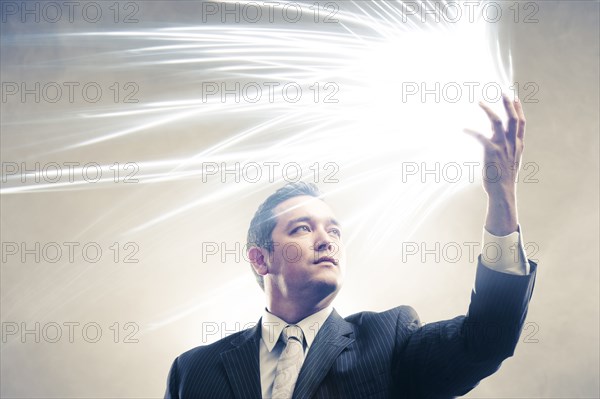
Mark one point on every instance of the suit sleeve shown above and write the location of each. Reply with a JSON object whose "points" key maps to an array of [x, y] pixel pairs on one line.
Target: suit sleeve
{"points": [[172, 391], [449, 358]]}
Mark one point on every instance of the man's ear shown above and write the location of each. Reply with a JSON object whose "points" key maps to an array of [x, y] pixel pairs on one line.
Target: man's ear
{"points": [[258, 258]]}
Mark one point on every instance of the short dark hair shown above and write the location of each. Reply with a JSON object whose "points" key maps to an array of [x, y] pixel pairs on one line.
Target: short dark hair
{"points": [[264, 220]]}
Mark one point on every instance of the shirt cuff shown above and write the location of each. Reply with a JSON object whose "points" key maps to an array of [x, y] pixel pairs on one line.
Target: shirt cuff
{"points": [[505, 254]]}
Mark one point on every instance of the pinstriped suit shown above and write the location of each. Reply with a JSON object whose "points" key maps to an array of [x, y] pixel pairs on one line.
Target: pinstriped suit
{"points": [[375, 355]]}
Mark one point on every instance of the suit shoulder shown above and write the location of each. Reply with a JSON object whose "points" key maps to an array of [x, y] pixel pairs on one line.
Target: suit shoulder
{"points": [[200, 372], [208, 352], [393, 312]]}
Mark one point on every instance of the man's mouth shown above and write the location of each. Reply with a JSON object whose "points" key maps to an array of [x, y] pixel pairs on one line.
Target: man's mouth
{"points": [[327, 259]]}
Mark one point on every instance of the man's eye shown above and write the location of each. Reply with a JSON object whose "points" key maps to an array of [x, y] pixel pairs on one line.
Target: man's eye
{"points": [[300, 228], [337, 232]]}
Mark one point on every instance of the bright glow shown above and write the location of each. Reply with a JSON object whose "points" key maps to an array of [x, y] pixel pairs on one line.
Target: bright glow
{"points": [[354, 111]]}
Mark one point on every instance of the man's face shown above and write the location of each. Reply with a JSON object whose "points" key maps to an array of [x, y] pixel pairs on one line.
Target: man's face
{"points": [[308, 255]]}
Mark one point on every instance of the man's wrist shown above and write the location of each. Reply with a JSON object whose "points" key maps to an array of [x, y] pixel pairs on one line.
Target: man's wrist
{"points": [[501, 217]]}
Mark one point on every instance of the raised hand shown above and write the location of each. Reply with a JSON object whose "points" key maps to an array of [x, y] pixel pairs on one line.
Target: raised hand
{"points": [[502, 160]]}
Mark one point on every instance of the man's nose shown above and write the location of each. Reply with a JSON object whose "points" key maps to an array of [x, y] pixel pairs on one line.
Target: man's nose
{"points": [[323, 241], [324, 246]]}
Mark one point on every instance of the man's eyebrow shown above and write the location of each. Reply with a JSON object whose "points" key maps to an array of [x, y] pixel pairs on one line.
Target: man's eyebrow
{"points": [[334, 222], [309, 219], [298, 220]]}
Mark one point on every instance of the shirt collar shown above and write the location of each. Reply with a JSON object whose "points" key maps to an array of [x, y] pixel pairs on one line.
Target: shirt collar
{"points": [[272, 326]]}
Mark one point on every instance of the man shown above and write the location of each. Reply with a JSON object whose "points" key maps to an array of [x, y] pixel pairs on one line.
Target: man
{"points": [[302, 348]]}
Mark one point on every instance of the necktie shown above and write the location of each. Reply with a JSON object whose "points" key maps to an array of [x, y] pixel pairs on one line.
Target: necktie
{"points": [[290, 362]]}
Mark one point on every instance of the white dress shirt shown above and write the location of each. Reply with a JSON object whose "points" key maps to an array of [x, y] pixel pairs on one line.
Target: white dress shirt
{"points": [[504, 254]]}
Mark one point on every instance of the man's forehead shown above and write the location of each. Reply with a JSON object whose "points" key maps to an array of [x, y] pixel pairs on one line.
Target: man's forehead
{"points": [[301, 206]]}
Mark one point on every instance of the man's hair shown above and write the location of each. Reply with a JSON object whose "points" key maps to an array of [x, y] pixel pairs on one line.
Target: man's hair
{"points": [[264, 220]]}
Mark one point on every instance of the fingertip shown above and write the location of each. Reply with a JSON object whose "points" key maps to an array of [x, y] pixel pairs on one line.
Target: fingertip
{"points": [[471, 132], [519, 107]]}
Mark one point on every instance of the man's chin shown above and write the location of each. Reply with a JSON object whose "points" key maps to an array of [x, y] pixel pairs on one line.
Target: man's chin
{"points": [[327, 286]]}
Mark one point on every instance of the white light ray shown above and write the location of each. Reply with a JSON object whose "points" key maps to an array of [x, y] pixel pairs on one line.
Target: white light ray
{"points": [[369, 56]]}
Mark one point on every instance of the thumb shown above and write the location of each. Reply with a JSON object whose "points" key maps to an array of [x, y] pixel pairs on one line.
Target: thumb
{"points": [[478, 136]]}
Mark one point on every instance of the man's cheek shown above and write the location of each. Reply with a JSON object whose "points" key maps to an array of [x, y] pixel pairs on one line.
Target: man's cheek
{"points": [[291, 252]]}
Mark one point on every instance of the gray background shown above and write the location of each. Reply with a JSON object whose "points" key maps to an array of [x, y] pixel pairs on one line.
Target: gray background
{"points": [[175, 296]]}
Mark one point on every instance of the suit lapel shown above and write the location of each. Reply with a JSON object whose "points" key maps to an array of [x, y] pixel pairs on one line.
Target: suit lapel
{"points": [[242, 364], [330, 341]]}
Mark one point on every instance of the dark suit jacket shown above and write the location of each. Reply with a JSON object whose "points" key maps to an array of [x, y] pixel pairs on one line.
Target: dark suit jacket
{"points": [[375, 355]]}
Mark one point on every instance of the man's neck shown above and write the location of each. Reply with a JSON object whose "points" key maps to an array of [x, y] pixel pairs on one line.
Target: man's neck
{"points": [[292, 313]]}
